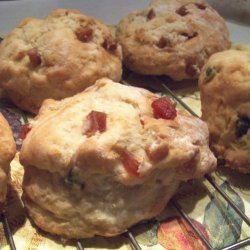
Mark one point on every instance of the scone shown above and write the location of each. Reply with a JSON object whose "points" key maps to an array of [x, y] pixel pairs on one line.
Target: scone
{"points": [[7, 153], [172, 37], [225, 97], [56, 57], [100, 161]]}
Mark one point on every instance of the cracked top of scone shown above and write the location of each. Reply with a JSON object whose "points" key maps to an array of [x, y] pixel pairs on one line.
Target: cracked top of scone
{"points": [[56, 57], [123, 131], [172, 37], [225, 86]]}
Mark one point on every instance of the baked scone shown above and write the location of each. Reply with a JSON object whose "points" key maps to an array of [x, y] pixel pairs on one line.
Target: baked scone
{"points": [[100, 161], [56, 57], [225, 97], [7, 153], [172, 37]]}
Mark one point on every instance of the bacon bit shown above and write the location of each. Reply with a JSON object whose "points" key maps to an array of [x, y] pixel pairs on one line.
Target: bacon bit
{"points": [[109, 45], [130, 164], [157, 153], [200, 6], [182, 11], [163, 108], [84, 34], [191, 70], [34, 56], [188, 167], [97, 122], [142, 122], [151, 14], [112, 46], [25, 130], [163, 42]]}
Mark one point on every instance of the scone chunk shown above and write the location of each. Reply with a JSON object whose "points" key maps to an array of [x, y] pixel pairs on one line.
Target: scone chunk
{"points": [[172, 37], [7, 153], [225, 97], [100, 161], [56, 57]]}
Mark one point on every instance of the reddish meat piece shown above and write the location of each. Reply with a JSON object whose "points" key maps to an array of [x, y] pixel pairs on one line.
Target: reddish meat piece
{"points": [[84, 34], [200, 6], [151, 14], [35, 57], [164, 108], [97, 122], [182, 11], [130, 164], [163, 42], [109, 45], [25, 130]]}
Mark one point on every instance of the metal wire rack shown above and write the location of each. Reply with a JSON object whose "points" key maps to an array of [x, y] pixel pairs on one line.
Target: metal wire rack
{"points": [[7, 231], [129, 235]]}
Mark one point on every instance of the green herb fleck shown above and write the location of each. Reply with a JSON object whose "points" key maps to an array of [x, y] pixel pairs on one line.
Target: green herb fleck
{"points": [[72, 181], [242, 126], [210, 74], [221, 162]]}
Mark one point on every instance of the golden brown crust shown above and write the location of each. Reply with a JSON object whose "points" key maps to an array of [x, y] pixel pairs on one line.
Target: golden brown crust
{"points": [[173, 38], [225, 99], [7, 153], [95, 210], [56, 57], [78, 185]]}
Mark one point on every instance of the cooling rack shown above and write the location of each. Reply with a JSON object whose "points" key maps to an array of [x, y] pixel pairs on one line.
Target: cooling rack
{"points": [[128, 234]]}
